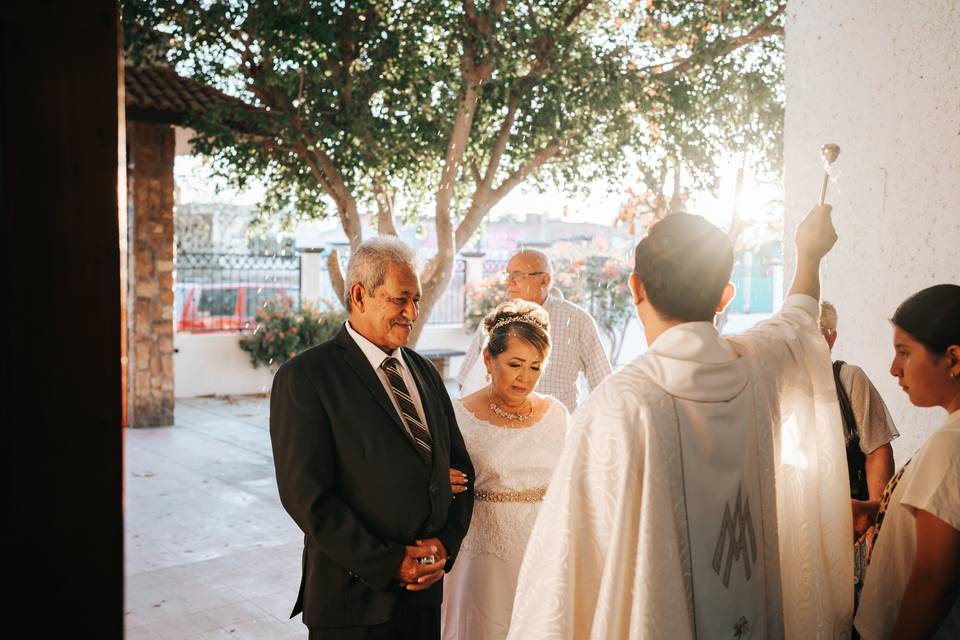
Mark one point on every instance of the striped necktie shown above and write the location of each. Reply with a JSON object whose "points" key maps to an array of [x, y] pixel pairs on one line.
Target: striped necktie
{"points": [[408, 410]]}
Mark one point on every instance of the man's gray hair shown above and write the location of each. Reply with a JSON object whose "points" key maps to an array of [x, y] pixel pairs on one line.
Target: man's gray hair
{"points": [[369, 262], [828, 317], [541, 256]]}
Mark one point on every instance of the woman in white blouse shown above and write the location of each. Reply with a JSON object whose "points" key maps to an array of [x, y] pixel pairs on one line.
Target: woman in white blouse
{"points": [[514, 436], [912, 585]]}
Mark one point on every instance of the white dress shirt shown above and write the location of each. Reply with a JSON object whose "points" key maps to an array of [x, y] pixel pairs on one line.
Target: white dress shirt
{"points": [[375, 356]]}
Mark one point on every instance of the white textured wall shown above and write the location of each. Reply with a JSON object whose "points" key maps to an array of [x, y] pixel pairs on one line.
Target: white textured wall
{"points": [[214, 363], [881, 79]]}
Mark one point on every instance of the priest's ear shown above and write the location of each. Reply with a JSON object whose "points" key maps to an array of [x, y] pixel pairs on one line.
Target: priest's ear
{"points": [[729, 292], [636, 288]]}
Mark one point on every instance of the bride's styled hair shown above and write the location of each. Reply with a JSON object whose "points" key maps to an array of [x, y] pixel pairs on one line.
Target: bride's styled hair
{"points": [[518, 319]]}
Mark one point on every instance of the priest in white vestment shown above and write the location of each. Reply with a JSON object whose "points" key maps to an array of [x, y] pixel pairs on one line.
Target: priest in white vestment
{"points": [[702, 491]]}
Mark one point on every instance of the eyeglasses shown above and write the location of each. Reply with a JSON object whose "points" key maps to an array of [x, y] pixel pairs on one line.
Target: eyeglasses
{"points": [[516, 275]]}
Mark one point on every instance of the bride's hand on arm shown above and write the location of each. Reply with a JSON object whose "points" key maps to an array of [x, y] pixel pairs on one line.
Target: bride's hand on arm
{"points": [[458, 481]]}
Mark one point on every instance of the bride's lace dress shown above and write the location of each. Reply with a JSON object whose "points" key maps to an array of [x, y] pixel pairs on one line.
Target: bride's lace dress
{"points": [[513, 468]]}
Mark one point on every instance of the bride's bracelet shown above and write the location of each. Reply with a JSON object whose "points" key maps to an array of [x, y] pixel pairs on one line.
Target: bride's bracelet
{"points": [[533, 494]]}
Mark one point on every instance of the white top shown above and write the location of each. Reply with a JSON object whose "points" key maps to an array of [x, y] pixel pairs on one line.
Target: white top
{"points": [[375, 356], [641, 519], [506, 459], [478, 592], [874, 423], [930, 481], [574, 347]]}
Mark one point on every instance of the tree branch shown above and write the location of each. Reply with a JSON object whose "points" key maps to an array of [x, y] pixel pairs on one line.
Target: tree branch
{"points": [[321, 165], [475, 72], [325, 172], [484, 200], [348, 51], [500, 144], [475, 172], [541, 157], [385, 210], [573, 15], [722, 48], [336, 275]]}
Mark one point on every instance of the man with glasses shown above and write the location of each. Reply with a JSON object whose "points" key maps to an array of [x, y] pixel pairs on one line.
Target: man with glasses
{"points": [[573, 333]]}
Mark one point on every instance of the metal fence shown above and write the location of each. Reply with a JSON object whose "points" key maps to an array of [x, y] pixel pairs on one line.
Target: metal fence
{"points": [[450, 307], [494, 267], [222, 291]]}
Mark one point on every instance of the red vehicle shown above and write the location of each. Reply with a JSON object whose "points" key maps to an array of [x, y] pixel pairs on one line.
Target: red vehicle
{"points": [[225, 306]]}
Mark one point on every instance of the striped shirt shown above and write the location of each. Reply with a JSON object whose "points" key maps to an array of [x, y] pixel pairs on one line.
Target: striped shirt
{"points": [[574, 347]]}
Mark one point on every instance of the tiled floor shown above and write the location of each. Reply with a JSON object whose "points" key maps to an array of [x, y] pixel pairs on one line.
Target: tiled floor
{"points": [[210, 553]]}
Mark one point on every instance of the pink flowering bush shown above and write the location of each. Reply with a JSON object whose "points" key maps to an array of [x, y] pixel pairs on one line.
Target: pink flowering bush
{"points": [[594, 276], [482, 298], [282, 331]]}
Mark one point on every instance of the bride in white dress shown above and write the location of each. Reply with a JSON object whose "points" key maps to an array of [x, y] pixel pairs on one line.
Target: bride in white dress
{"points": [[514, 437]]}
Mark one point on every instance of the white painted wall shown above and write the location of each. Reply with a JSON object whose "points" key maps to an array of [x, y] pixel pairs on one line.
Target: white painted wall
{"points": [[882, 80], [214, 364]]}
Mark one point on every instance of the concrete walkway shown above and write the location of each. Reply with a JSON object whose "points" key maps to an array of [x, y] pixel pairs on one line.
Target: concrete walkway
{"points": [[210, 553]]}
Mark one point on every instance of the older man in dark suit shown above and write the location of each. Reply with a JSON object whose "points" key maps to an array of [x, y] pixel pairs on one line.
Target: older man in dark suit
{"points": [[364, 436]]}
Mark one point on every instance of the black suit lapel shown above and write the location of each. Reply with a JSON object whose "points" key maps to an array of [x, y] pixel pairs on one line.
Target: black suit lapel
{"points": [[361, 366]]}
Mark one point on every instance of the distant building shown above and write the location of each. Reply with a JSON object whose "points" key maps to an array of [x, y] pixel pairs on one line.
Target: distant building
{"points": [[497, 239], [226, 228]]}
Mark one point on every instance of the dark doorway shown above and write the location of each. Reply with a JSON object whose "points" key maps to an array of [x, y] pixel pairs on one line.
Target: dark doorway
{"points": [[61, 160]]}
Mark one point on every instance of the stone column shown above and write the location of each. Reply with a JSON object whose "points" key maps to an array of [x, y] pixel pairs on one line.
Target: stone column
{"points": [[150, 223], [311, 270], [473, 269]]}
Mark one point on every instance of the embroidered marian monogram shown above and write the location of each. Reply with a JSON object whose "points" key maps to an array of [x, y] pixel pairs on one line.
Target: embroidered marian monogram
{"points": [[739, 527], [741, 628]]}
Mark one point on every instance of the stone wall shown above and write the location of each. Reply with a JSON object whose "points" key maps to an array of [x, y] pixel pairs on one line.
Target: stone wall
{"points": [[882, 80], [150, 223]]}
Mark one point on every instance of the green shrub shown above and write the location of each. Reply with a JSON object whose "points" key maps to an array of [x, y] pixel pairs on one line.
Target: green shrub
{"points": [[282, 331]]}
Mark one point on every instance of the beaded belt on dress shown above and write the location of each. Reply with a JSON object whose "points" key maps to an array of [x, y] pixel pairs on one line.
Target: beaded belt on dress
{"points": [[533, 494]]}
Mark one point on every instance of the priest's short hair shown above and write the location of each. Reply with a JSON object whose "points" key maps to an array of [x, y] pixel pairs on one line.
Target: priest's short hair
{"points": [[684, 263]]}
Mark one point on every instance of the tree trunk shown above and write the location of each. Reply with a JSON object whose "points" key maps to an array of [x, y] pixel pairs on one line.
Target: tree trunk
{"points": [[336, 276], [432, 287]]}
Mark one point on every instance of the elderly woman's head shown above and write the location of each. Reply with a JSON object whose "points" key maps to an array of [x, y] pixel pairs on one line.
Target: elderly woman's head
{"points": [[926, 342], [518, 343]]}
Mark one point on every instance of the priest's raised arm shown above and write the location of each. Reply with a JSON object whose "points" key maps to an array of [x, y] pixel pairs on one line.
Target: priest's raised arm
{"points": [[702, 488]]}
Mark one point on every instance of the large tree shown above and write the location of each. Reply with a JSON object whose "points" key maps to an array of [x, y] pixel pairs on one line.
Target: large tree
{"points": [[358, 106]]}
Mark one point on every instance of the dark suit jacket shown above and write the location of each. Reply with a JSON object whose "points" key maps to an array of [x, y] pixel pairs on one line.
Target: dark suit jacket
{"points": [[352, 479]]}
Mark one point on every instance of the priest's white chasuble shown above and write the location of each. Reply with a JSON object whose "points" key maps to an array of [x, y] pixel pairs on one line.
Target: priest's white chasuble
{"points": [[702, 493]]}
